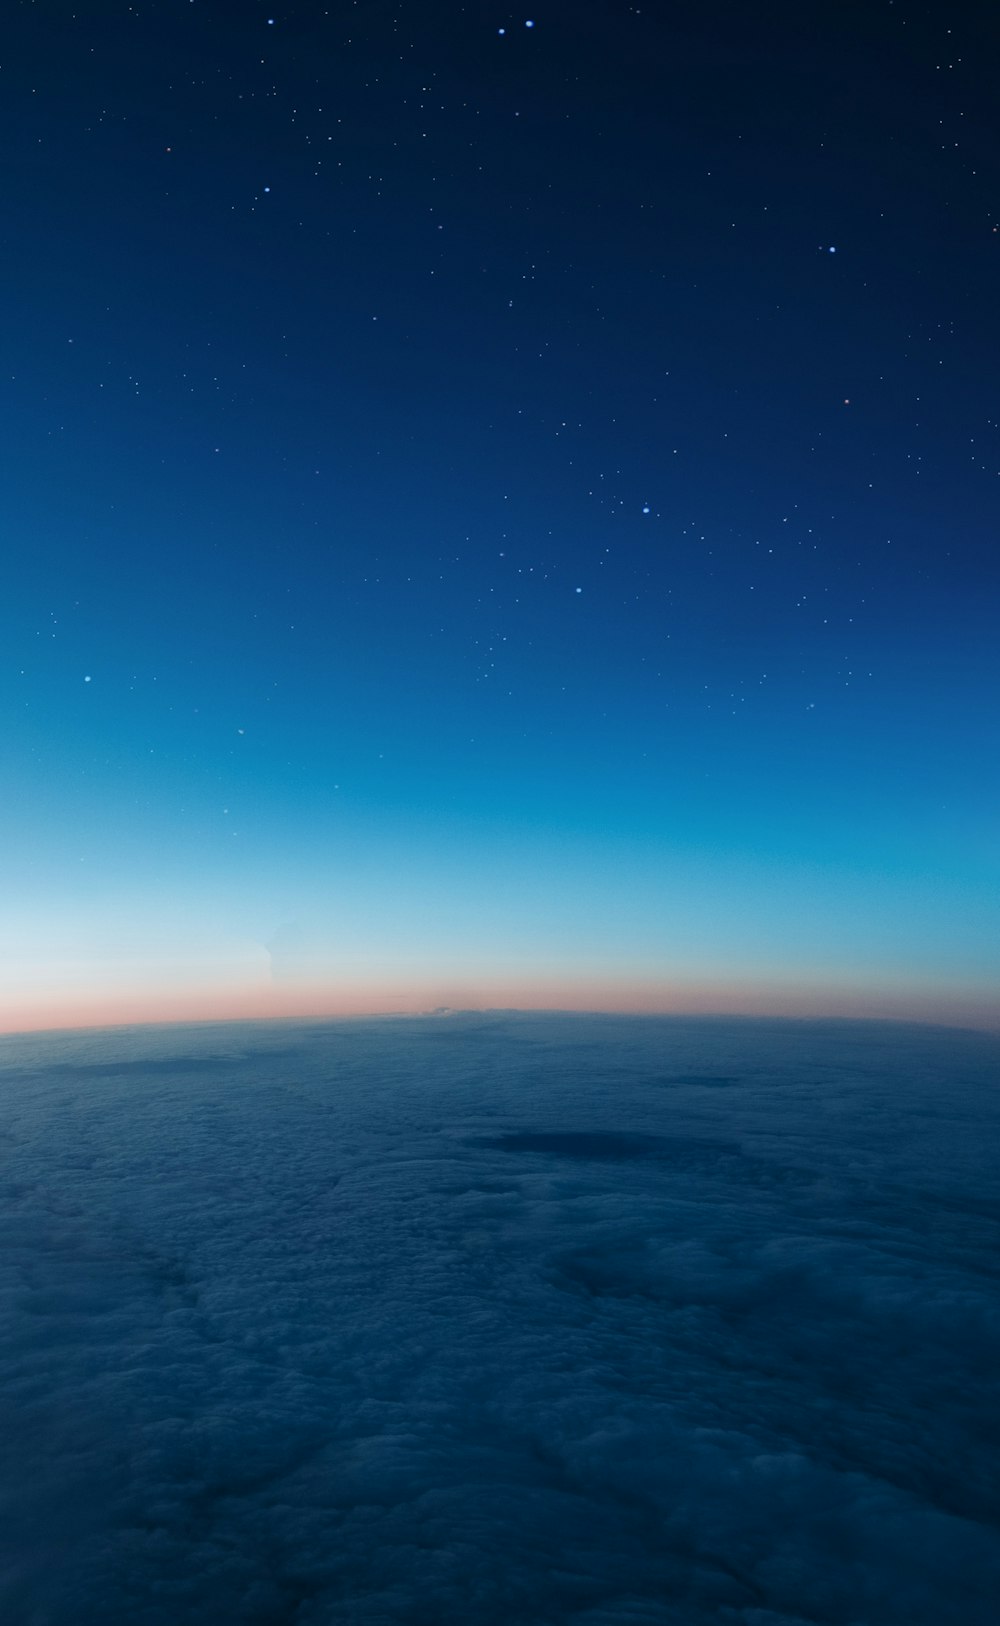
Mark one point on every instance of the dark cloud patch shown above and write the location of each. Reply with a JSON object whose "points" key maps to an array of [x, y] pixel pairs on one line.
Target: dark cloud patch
{"points": [[604, 1145], [710, 1081], [352, 1353]]}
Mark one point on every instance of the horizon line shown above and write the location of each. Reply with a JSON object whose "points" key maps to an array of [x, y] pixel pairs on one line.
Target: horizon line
{"points": [[445, 1012]]}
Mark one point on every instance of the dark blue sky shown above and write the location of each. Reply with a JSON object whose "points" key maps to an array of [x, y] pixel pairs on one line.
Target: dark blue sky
{"points": [[493, 505]]}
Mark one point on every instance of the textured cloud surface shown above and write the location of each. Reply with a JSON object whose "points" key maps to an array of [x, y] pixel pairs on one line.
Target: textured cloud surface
{"points": [[523, 1320]]}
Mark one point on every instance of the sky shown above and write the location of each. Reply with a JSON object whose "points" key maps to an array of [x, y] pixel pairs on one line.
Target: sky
{"points": [[499, 510]]}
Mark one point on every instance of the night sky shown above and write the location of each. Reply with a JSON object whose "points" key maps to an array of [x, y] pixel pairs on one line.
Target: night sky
{"points": [[498, 509]]}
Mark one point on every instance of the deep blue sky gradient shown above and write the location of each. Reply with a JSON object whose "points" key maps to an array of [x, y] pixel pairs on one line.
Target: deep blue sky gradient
{"points": [[344, 355]]}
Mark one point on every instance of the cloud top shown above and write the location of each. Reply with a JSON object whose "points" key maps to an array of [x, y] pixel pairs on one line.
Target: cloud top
{"points": [[538, 1320]]}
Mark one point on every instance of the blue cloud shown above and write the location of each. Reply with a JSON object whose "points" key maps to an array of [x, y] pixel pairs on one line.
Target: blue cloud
{"points": [[500, 1319]]}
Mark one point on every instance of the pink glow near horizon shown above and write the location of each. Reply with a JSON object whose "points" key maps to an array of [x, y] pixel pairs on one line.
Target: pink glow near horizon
{"points": [[92, 1007]]}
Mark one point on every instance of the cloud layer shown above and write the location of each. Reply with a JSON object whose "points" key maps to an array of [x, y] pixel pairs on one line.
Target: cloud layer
{"points": [[531, 1320]]}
